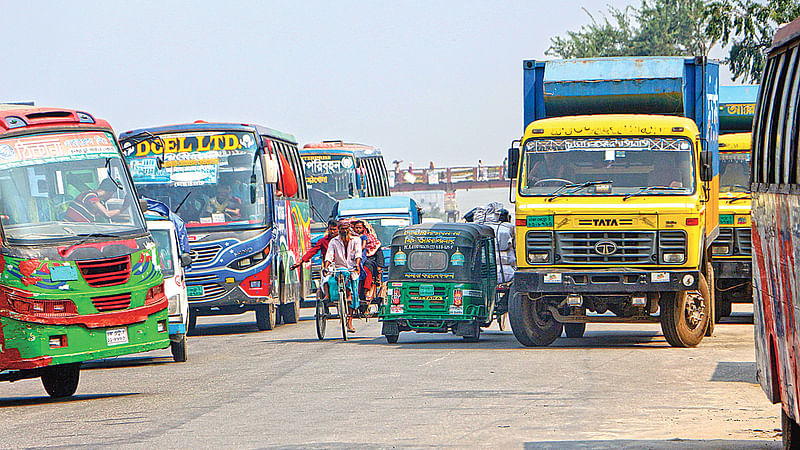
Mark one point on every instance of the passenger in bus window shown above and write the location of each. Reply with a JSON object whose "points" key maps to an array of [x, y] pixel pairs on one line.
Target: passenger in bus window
{"points": [[89, 206], [225, 203]]}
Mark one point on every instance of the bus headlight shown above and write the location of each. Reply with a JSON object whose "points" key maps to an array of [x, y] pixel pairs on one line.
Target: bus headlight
{"points": [[538, 258], [250, 261], [674, 257]]}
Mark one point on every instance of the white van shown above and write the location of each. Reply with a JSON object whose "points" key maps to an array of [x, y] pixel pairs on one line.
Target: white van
{"points": [[172, 264]]}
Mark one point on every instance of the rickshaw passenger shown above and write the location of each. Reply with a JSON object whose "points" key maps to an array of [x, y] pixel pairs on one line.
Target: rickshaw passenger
{"points": [[370, 269], [321, 246], [344, 254]]}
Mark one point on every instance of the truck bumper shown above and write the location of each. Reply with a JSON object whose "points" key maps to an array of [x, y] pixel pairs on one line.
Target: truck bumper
{"points": [[602, 281], [741, 269]]}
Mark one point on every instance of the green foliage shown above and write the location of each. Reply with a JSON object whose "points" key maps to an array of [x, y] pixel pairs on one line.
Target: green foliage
{"points": [[657, 27], [747, 26]]}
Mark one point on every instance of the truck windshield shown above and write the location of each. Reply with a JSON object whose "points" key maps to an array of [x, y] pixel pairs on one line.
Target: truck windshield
{"points": [[734, 171], [205, 178], [607, 166], [385, 228], [63, 185], [332, 174]]}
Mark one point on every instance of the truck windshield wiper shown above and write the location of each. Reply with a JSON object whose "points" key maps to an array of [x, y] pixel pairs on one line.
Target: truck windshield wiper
{"points": [[741, 197], [652, 188], [562, 190]]}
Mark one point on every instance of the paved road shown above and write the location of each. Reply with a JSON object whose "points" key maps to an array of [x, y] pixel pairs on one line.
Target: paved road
{"points": [[618, 386]]}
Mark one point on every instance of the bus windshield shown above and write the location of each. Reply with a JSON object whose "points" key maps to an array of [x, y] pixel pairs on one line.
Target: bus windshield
{"points": [[63, 185], [210, 179], [332, 174], [607, 166], [734, 171]]}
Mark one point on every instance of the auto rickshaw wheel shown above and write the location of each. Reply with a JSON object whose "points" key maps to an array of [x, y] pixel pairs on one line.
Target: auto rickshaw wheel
{"points": [[476, 336], [532, 324], [575, 330], [265, 316], [685, 315], [61, 380], [178, 349], [392, 338], [321, 317]]}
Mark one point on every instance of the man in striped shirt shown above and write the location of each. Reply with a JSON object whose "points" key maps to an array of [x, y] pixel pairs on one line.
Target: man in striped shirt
{"points": [[90, 205]]}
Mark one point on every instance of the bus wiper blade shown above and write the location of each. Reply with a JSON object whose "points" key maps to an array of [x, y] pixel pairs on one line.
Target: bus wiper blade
{"points": [[562, 190], [182, 201], [650, 188], [86, 237]]}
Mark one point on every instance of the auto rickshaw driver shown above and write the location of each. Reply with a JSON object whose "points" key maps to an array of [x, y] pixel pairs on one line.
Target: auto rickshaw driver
{"points": [[344, 255]]}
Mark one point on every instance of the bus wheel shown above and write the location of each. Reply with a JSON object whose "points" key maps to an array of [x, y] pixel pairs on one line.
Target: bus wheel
{"points": [[575, 330], [178, 349], [685, 315], [791, 431], [265, 316], [532, 325], [61, 380], [290, 312]]}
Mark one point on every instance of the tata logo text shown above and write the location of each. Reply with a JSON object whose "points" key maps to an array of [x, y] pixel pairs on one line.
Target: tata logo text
{"points": [[605, 222], [605, 248]]}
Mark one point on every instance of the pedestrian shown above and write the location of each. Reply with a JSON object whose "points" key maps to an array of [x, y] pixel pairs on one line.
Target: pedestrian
{"points": [[480, 170]]}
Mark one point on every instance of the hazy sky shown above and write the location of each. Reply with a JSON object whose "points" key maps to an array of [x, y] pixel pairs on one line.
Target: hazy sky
{"points": [[423, 80]]}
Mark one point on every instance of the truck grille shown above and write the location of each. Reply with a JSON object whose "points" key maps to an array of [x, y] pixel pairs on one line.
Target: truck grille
{"points": [[619, 246], [106, 272], [203, 255], [743, 241], [112, 302], [736, 239]]}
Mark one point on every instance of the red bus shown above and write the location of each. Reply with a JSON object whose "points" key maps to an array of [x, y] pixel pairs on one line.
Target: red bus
{"points": [[775, 184]]}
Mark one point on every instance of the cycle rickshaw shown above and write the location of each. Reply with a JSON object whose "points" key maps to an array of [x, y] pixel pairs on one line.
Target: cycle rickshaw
{"points": [[367, 309]]}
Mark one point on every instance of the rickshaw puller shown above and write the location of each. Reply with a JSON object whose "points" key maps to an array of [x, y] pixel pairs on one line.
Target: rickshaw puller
{"points": [[320, 246], [344, 254]]}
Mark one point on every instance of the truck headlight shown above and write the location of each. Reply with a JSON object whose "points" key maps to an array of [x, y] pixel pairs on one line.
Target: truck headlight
{"points": [[720, 249], [538, 258], [674, 257]]}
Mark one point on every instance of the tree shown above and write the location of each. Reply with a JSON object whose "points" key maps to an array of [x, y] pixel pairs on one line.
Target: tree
{"points": [[747, 26], [657, 27]]}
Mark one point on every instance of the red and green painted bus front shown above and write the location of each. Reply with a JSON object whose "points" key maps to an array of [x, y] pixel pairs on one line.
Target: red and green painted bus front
{"points": [[245, 233], [71, 289]]}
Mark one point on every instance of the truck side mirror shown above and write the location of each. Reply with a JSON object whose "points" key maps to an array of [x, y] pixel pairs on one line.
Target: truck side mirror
{"points": [[186, 260], [513, 162], [706, 167]]}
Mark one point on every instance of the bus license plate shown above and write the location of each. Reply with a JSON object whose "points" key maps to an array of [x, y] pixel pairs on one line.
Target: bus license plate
{"points": [[117, 336], [195, 291]]}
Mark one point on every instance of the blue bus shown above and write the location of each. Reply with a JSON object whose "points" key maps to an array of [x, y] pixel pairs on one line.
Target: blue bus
{"points": [[239, 188]]}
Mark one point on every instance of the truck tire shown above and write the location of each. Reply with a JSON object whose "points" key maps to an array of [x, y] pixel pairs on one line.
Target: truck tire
{"points": [[712, 299], [791, 431], [722, 308], [575, 330], [265, 316], [61, 380], [683, 320], [531, 326]]}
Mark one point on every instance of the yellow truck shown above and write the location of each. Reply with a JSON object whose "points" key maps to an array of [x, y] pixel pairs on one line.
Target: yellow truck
{"points": [[616, 192]]}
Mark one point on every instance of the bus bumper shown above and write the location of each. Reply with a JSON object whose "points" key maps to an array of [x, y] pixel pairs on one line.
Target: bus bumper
{"points": [[603, 281]]}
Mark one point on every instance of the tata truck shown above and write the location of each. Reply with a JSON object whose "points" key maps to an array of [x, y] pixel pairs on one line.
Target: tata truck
{"points": [[730, 251], [616, 189]]}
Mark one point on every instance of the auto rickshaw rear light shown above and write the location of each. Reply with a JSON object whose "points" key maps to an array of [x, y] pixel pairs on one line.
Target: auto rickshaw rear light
{"points": [[59, 341], [457, 297]]}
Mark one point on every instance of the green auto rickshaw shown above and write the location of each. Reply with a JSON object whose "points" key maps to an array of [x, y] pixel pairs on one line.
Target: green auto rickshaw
{"points": [[442, 278]]}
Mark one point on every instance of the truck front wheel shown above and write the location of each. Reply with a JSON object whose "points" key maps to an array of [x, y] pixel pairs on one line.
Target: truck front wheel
{"points": [[685, 315], [575, 330], [532, 324]]}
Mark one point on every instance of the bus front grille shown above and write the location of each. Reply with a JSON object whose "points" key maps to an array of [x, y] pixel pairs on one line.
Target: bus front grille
{"points": [[203, 255], [112, 302], [106, 272]]}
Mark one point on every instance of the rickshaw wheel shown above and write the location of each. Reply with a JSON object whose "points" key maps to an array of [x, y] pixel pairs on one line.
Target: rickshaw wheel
{"points": [[532, 326], [342, 306], [61, 380], [321, 318]]}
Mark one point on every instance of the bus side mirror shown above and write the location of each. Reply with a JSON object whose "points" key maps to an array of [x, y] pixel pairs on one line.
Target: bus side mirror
{"points": [[186, 260], [706, 166], [253, 188], [350, 190], [271, 169], [513, 162]]}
